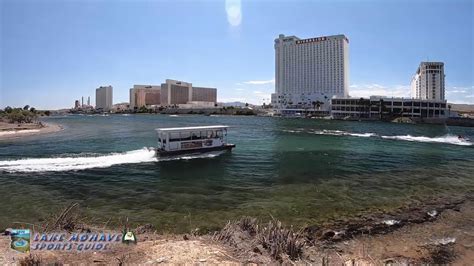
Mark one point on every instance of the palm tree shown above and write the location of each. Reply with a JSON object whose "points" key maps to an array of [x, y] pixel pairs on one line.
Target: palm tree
{"points": [[381, 108]]}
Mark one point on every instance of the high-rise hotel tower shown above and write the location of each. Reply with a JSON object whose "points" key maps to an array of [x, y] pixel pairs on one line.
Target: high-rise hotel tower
{"points": [[428, 81], [103, 98], [310, 70]]}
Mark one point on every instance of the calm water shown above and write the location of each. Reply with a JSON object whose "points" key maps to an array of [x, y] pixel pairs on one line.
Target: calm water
{"points": [[302, 171]]}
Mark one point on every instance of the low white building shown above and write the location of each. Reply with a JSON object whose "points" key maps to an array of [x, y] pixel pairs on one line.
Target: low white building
{"points": [[197, 105], [377, 106]]}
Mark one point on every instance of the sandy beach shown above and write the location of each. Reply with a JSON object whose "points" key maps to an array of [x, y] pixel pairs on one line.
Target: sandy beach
{"points": [[15, 131]]}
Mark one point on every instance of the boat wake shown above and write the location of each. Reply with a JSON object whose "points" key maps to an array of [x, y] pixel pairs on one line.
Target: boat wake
{"points": [[72, 163], [13, 132], [193, 156], [343, 133], [447, 139], [88, 161]]}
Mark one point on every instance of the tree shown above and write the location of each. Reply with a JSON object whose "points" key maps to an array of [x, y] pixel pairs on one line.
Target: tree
{"points": [[16, 117], [381, 108], [47, 112], [26, 107], [8, 109], [33, 110], [364, 107], [246, 104]]}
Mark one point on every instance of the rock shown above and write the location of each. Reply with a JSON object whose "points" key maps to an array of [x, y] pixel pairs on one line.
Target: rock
{"points": [[328, 234], [161, 259], [146, 228], [8, 231]]}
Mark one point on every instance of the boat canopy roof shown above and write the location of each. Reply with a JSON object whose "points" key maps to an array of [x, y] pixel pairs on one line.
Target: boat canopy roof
{"points": [[181, 129]]}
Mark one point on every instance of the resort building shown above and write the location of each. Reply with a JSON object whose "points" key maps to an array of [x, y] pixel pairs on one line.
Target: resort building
{"points": [[310, 71], [377, 107], [201, 94], [428, 81], [103, 98], [144, 95], [120, 107], [174, 92]]}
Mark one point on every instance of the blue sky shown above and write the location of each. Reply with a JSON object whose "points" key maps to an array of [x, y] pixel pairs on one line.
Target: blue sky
{"points": [[53, 52]]}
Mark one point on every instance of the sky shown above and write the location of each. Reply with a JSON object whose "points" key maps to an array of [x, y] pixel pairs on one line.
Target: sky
{"points": [[53, 52]]}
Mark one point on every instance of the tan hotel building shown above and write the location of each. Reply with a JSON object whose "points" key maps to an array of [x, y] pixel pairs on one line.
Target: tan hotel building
{"points": [[175, 92], [144, 95]]}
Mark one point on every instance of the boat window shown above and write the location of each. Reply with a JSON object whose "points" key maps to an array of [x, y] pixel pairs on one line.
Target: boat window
{"points": [[219, 133], [210, 134], [185, 135], [174, 136], [195, 135]]}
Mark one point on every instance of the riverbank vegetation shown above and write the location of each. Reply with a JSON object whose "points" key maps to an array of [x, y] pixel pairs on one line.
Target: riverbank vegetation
{"points": [[26, 114]]}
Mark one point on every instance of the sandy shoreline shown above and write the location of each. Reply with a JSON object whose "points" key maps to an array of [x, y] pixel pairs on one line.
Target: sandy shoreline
{"points": [[442, 237], [16, 131]]}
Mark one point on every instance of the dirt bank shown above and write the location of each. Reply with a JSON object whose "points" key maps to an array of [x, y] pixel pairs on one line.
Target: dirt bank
{"points": [[444, 236]]}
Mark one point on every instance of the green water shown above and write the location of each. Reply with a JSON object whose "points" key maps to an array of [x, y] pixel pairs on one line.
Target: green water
{"points": [[301, 171]]}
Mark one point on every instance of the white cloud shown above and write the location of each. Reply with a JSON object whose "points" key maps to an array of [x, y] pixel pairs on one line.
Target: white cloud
{"points": [[464, 95], [461, 95], [367, 90], [259, 82], [233, 99], [234, 12]]}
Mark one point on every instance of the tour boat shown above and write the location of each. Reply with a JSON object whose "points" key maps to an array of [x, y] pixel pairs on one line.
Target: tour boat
{"points": [[185, 140]]}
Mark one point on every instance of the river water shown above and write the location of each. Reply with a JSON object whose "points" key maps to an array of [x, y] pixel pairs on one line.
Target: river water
{"points": [[301, 171]]}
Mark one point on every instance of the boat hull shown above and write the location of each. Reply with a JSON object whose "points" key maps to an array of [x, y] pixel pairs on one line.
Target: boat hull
{"points": [[161, 153]]}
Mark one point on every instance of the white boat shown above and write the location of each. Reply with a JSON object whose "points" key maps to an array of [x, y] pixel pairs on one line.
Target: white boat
{"points": [[184, 140]]}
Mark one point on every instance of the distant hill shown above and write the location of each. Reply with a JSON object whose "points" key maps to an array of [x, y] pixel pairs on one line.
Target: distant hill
{"points": [[462, 108]]}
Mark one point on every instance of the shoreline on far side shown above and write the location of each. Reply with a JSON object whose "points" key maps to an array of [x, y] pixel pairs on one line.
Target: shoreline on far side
{"points": [[10, 131]]}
